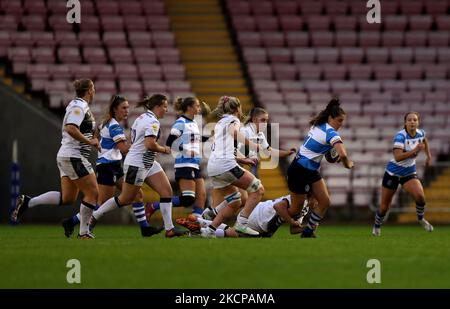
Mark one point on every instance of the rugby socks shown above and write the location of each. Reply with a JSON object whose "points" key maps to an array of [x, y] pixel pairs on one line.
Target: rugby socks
{"points": [[139, 213], [314, 220], [175, 203], [379, 219], [197, 210], [205, 223], [165, 204], [420, 210], [76, 218], [49, 198], [109, 205], [86, 210]]}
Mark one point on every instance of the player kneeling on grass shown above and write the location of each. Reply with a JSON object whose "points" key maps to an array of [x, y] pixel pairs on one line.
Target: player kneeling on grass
{"points": [[266, 218]]}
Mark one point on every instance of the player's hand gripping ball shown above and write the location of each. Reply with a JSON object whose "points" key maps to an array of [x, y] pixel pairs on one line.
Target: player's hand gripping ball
{"points": [[332, 156]]}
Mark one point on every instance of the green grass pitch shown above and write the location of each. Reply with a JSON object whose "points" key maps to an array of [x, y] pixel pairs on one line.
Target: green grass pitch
{"points": [[35, 256]]}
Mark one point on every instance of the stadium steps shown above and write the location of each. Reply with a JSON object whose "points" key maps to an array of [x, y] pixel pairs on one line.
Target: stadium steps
{"points": [[212, 65], [437, 195]]}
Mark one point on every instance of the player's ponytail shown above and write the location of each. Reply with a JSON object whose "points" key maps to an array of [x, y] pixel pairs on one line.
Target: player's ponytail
{"points": [[333, 109], [82, 86], [114, 102], [226, 105], [151, 102], [181, 104]]}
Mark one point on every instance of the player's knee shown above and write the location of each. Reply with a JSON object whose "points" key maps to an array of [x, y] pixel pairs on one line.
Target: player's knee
{"points": [[255, 187], [420, 200], [234, 199], [187, 198]]}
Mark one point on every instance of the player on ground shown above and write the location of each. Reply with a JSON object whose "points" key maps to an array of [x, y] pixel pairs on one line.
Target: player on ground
{"points": [[76, 172], [303, 173], [408, 143], [140, 165], [227, 176]]}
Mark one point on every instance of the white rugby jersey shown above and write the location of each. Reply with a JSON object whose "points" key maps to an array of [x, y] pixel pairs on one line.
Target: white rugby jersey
{"points": [[403, 140], [144, 126], [189, 136], [79, 114], [249, 131], [110, 134], [224, 148], [264, 212]]}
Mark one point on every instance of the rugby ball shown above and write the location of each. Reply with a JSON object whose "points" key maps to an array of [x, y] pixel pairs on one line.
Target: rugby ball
{"points": [[332, 156]]}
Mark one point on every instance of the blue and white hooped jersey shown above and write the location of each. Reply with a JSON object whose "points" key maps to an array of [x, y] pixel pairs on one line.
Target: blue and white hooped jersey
{"points": [[319, 141], [403, 140], [189, 137], [110, 135]]}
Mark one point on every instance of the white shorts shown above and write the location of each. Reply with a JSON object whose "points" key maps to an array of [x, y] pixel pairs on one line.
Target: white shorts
{"points": [[136, 175], [225, 179], [74, 168]]}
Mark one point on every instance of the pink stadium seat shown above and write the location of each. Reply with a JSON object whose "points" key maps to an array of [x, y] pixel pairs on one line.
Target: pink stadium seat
{"points": [[380, 97], [327, 55], [438, 39], [66, 38], [416, 38], [105, 86], [345, 23], [441, 85], [288, 86], [135, 23], [111, 23], [120, 55], [297, 39], [385, 71], [125, 71], [238, 7], [168, 55], [291, 22], [133, 86], [144, 55], [411, 71], [318, 22], [140, 39], [154, 8], [69, 55], [322, 39], [436, 7], [173, 71], [346, 38], [420, 22], [284, 8], [94, 55], [19, 54], [273, 97], [361, 121], [401, 55], [421, 85], [436, 71], [395, 23], [293, 98], [392, 39], [12, 8], [89, 39], [359, 71], [442, 109], [369, 39], [158, 23], [384, 121], [149, 71], [115, 39], [272, 38], [411, 96], [163, 39], [265, 85], [261, 7], [90, 23], [443, 54], [60, 72], [394, 86], [333, 8], [81, 71], [351, 55], [436, 97], [38, 71], [266, 23], [365, 26], [424, 55], [377, 55], [243, 23], [304, 55], [259, 71], [44, 39], [284, 71], [443, 22], [34, 22], [334, 71], [130, 8], [366, 87], [339, 87], [103, 71], [279, 55], [310, 7], [309, 71], [109, 8], [35, 7], [411, 7], [22, 39], [317, 86], [249, 38]]}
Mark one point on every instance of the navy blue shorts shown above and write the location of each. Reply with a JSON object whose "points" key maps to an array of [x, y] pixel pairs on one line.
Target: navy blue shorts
{"points": [[187, 173], [392, 182], [300, 179], [109, 173]]}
